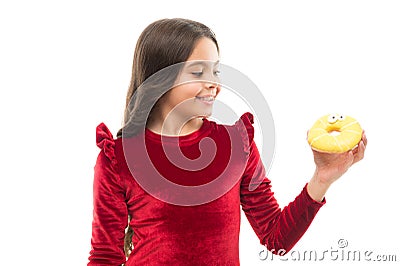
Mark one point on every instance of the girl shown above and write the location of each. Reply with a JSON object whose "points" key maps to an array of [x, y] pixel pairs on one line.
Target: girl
{"points": [[135, 222]]}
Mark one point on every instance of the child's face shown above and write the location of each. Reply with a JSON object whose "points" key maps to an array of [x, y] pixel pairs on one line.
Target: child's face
{"points": [[197, 80]]}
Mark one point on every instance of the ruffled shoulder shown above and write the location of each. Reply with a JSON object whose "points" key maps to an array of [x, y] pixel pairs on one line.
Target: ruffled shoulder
{"points": [[106, 142], [246, 129]]}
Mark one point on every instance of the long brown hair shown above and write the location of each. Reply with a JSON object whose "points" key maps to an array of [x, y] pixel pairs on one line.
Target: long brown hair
{"points": [[163, 43]]}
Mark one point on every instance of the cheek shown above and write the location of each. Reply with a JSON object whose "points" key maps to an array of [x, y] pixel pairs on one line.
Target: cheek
{"points": [[184, 92]]}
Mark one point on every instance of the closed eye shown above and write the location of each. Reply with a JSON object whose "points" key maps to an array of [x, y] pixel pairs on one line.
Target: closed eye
{"points": [[197, 74]]}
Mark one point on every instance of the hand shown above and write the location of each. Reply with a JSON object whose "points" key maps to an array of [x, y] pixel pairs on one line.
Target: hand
{"points": [[331, 166]]}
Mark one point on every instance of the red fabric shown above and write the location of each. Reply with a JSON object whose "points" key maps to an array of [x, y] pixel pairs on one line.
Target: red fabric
{"points": [[206, 234]]}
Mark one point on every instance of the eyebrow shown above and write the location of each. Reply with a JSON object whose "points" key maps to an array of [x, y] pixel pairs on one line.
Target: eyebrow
{"points": [[201, 62]]}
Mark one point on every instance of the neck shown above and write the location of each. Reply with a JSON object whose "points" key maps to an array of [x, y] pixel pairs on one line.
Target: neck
{"points": [[174, 125]]}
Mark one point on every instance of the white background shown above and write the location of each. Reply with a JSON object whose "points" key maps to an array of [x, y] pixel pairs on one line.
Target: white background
{"points": [[65, 67]]}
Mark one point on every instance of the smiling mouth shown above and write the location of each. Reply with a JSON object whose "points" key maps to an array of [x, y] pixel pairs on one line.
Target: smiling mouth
{"points": [[206, 99]]}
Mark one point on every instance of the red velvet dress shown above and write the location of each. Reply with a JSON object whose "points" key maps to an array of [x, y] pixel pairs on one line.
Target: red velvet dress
{"points": [[202, 234]]}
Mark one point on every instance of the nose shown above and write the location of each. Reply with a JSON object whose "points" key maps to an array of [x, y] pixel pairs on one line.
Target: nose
{"points": [[212, 87], [211, 82]]}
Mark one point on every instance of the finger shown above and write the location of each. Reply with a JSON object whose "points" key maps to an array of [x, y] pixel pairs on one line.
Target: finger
{"points": [[364, 138], [359, 154], [351, 159]]}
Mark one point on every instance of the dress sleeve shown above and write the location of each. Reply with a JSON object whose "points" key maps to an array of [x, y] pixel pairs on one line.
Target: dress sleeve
{"points": [[277, 229], [110, 215]]}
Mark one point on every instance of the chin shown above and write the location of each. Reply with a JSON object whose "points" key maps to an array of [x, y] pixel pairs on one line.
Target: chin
{"points": [[205, 113]]}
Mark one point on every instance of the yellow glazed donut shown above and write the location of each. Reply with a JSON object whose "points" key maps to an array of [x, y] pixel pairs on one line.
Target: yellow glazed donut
{"points": [[335, 133]]}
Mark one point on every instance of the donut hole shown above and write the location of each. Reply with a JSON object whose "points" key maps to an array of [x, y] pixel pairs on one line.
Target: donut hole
{"points": [[334, 133]]}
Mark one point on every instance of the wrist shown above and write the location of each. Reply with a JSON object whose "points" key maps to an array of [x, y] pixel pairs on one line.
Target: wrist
{"points": [[318, 186], [322, 178]]}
